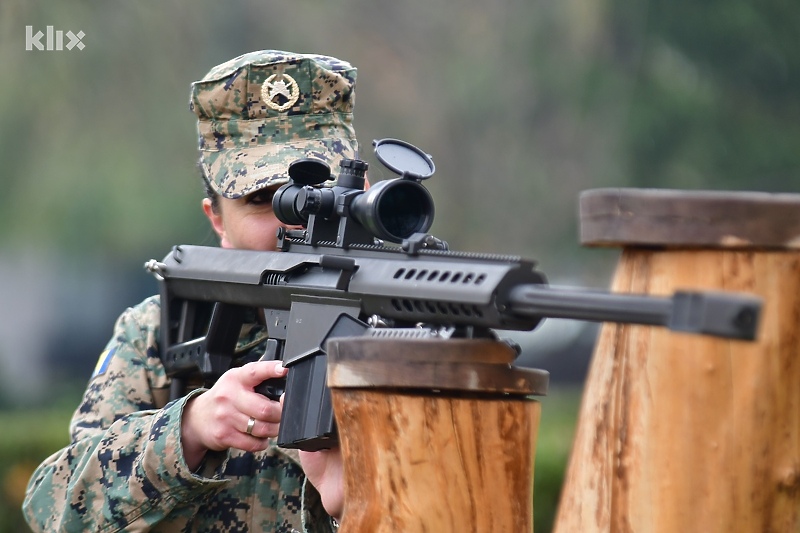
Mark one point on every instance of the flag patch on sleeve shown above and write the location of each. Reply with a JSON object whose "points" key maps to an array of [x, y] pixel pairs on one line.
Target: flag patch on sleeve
{"points": [[102, 362]]}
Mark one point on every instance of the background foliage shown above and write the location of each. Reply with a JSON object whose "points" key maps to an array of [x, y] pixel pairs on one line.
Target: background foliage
{"points": [[522, 103]]}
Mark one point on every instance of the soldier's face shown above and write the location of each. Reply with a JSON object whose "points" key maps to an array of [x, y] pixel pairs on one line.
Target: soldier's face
{"points": [[246, 223]]}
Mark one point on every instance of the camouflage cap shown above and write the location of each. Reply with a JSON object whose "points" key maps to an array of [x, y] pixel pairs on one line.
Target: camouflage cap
{"points": [[260, 111]]}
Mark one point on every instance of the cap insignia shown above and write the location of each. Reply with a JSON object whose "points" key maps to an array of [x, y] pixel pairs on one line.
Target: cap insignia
{"points": [[285, 86]]}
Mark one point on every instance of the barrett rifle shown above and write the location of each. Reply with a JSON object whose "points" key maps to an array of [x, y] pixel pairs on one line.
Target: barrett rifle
{"points": [[337, 276]]}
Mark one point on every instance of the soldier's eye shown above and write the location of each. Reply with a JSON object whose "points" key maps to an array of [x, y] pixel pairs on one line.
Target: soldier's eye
{"points": [[261, 197]]}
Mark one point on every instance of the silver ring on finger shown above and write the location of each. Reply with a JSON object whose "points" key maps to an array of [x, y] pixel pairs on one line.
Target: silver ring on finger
{"points": [[250, 425]]}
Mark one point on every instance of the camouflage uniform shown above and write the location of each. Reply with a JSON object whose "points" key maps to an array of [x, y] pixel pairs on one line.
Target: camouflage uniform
{"points": [[125, 469]]}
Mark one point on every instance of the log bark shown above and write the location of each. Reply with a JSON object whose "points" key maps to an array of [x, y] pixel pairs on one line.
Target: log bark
{"points": [[449, 459], [685, 433]]}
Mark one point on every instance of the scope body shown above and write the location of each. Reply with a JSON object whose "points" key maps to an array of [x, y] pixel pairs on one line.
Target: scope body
{"points": [[391, 210]]}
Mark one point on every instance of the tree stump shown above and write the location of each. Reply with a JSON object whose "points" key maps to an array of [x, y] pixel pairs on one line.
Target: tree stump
{"points": [[436, 435], [682, 433]]}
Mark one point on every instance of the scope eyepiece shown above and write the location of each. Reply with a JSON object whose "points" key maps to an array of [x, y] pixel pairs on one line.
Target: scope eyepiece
{"points": [[285, 205]]}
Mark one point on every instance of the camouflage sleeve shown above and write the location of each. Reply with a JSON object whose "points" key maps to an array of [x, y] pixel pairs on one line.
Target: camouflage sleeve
{"points": [[124, 467]]}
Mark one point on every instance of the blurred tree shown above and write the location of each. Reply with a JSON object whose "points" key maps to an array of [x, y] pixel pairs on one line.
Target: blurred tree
{"points": [[716, 104]]}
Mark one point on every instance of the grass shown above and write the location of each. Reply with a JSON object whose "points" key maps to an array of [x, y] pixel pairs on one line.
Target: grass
{"points": [[554, 444]]}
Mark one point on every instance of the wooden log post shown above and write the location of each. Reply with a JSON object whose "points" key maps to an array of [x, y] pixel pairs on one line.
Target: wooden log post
{"points": [[681, 433], [436, 435]]}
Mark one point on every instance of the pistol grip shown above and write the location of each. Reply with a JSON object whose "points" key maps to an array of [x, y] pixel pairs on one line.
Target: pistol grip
{"points": [[272, 388]]}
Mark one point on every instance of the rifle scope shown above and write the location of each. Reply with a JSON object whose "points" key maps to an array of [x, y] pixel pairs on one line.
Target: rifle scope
{"points": [[392, 210]]}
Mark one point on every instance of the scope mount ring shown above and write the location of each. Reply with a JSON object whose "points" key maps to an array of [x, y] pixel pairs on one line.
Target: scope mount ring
{"points": [[404, 159]]}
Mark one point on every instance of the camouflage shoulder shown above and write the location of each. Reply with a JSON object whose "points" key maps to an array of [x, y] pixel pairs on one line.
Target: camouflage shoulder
{"points": [[136, 331], [148, 311]]}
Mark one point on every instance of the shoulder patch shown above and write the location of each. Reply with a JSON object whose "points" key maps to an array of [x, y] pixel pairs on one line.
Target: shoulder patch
{"points": [[102, 362]]}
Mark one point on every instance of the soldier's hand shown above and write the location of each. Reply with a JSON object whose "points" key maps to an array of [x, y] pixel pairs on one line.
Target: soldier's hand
{"points": [[231, 414]]}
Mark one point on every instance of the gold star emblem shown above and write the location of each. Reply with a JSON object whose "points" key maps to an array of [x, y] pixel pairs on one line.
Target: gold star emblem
{"points": [[284, 86]]}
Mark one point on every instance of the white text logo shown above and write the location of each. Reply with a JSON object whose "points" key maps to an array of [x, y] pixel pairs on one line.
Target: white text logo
{"points": [[54, 41]]}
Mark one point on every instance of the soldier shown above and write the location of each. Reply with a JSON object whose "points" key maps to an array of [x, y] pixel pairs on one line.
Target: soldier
{"points": [[207, 461]]}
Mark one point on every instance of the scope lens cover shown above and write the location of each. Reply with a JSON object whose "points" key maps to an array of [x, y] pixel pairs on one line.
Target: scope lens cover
{"points": [[309, 171], [404, 158]]}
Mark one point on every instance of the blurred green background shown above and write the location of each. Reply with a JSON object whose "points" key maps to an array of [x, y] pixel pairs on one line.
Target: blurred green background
{"points": [[522, 103]]}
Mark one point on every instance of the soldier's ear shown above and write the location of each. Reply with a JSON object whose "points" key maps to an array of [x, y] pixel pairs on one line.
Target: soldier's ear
{"points": [[215, 218]]}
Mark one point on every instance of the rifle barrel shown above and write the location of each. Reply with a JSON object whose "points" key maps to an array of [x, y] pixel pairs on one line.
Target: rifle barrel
{"points": [[719, 314]]}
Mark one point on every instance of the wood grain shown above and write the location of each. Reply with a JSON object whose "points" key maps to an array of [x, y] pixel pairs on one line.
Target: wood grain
{"points": [[429, 446], [684, 433], [436, 464]]}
